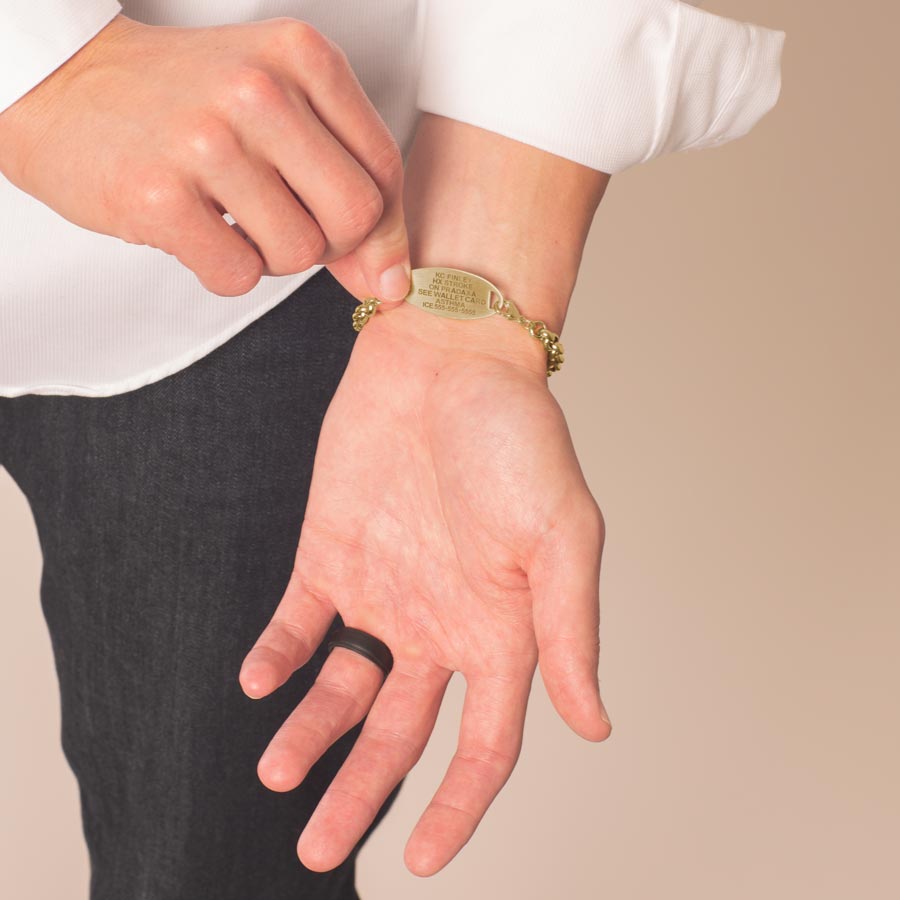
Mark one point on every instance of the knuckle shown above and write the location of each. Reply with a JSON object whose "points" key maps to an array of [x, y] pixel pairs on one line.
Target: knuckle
{"points": [[210, 142], [489, 757], [243, 276], [297, 256], [252, 86], [515, 661], [160, 196], [363, 214], [292, 35], [386, 166], [364, 802], [342, 695], [410, 751], [325, 57], [296, 635]]}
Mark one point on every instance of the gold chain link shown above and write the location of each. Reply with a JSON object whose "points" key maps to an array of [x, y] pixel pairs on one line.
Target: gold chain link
{"points": [[364, 312], [535, 327]]}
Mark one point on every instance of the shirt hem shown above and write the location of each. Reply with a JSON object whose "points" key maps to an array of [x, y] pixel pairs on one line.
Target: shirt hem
{"points": [[157, 373]]}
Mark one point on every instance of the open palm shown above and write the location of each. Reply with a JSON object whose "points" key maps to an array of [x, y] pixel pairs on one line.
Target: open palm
{"points": [[448, 516]]}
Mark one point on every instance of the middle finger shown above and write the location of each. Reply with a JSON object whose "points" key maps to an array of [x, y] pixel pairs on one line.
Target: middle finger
{"points": [[340, 195]]}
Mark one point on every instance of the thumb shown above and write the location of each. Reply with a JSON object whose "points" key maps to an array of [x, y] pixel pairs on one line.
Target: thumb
{"points": [[383, 256], [564, 577]]}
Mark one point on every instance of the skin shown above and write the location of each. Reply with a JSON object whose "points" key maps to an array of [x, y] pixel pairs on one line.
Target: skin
{"points": [[448, 514], [274, 116]]}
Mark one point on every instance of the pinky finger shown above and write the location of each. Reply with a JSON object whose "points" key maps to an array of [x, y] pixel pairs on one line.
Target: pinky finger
{"points": [[224, 262], [289, 640]]}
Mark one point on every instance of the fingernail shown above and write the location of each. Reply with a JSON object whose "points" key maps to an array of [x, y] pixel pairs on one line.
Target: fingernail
{"points": [[395, 283], [604, 714]]}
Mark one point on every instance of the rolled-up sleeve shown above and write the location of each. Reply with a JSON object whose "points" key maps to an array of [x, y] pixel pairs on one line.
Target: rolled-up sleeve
{"points": [[606, 83], [38, 36]]}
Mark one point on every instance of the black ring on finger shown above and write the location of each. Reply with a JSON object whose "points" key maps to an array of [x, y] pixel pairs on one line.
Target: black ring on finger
{"points": [[365, 644]]}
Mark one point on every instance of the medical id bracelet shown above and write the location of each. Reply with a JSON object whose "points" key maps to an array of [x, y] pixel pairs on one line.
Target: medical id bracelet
{"points": [[457, 294]]}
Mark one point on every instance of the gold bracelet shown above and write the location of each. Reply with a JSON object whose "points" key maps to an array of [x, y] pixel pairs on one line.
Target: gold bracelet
{"points": [[457, 294]]}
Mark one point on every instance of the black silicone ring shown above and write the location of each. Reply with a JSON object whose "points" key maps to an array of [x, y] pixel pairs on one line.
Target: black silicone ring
{"points": [[364, 644]]}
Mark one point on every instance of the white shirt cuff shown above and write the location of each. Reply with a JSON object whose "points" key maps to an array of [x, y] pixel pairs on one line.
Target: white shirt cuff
{"points": [[38, 36], [606, 83]]}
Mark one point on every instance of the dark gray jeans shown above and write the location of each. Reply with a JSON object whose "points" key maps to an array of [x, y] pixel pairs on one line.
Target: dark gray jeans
{"points": [[168, 519]]}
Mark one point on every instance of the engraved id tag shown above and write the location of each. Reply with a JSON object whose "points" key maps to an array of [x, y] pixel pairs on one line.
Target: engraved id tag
{"points": [[453, 293]]}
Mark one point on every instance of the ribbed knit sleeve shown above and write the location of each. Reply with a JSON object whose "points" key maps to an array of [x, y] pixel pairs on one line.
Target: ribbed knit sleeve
{"points": [[38, 36], [606, 83]]}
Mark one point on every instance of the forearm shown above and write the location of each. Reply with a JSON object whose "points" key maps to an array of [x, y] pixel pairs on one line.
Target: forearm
{"points": [[516, 215]]}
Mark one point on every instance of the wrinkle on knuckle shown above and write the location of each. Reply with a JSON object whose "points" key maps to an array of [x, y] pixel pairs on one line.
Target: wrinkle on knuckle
{"points": [[386, 164], [361, 216], [497, 761], [340, 692], [411, 749], [512, 664], [281, 657], [368, 805], [305, 731], [310, 250], [453, 807], [297, 636], [243, 276]]}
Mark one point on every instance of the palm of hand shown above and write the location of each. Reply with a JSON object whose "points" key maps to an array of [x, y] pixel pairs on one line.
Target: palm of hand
{"points": [[449, 517]]}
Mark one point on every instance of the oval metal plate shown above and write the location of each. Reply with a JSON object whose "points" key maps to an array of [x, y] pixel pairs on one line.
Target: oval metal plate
{"points": [[453, 293]]}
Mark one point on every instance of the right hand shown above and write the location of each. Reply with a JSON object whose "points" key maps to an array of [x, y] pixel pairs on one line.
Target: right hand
{"points": [[151, 133]]}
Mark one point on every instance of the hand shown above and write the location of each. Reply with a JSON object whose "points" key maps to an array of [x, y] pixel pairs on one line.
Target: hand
{"points": [[448, 516], [151, 133]]}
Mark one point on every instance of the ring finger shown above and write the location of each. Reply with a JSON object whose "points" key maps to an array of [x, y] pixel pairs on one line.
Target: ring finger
{"points": [[391, 742], [287, 238]]}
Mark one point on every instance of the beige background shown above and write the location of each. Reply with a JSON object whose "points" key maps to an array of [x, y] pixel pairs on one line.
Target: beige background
{"points": [[732, 385]]}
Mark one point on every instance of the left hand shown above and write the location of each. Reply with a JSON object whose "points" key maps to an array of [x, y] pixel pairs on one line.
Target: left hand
{"points": [[448, 515]]}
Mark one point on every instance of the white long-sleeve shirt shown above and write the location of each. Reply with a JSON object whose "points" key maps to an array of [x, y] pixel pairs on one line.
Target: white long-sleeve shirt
{"points": [[606, 83]]}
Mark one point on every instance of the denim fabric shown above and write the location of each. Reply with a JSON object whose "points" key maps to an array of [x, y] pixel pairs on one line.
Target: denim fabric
{"points": [[168, 519]]}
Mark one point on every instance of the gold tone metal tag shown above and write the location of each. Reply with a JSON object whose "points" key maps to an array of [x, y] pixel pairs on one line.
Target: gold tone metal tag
{"points": [[457, 294], [453, 293]]}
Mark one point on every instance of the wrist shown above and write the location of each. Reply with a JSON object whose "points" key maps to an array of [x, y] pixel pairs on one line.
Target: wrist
{"points": [[24, 122], [509, 212], [438, 341]]}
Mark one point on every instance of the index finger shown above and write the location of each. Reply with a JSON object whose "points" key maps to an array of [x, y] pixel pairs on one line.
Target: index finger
{"points": [[490, 739], [333, 91], [320, 68]]}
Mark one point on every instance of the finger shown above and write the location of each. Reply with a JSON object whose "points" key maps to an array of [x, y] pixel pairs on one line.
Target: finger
{"points": [[348, 272], [281, 128], [384, 254], [339, 100], [340, 697], [391, 742], [188, 227], [564, 577], [359, 204], [256, 197], [294, 633], [490, 740]]}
